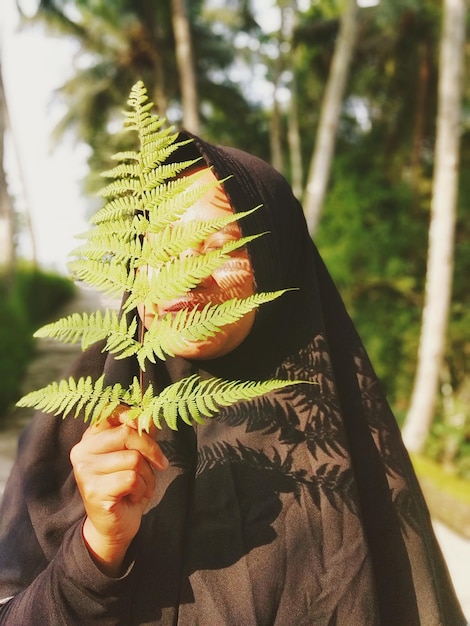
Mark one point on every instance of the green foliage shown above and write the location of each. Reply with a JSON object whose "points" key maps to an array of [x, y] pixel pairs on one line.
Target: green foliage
{"points": [[25, 302], [191, 398], [16, 342], [136, 229], [449, 445], [119, 40], [41, 293], [374, 229], [374, 248], [449, 440], [171, 331]]}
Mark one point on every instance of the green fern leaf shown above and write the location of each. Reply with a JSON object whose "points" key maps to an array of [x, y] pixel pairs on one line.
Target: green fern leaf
{"points": [[180, 275], [123, 170], [128, 155], [67, 396], [88, 328], [170, 333], [125, 228], [146, 195], [111, 247], [121, 341], [121, 186], [117, 208], [95, 327], [172, 239], [194, 399], [167, 207], [110, 278], [191, 399]]}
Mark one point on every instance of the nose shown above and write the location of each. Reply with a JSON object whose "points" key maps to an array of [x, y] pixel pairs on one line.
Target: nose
{"points": [[188, 253], [207, 281]]}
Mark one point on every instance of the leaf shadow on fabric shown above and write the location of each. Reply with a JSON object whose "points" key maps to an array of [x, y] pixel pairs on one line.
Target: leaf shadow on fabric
{"points": [[212, 516], [220, 527]]}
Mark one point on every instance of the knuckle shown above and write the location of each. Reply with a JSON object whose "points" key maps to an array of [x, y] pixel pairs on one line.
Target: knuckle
{"points": [[125, 433], [134, 459], [131, 479], [88, 491]]}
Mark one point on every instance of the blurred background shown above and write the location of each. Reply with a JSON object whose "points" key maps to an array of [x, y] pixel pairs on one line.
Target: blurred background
{"points": [[362, 105]]}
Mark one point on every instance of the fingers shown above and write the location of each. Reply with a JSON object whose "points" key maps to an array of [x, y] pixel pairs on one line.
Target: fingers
{"points": [[127, 473], [135, 486], [113, 435]]}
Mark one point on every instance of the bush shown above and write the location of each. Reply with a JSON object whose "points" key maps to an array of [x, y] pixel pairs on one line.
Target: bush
{"points": [[26, 302]]}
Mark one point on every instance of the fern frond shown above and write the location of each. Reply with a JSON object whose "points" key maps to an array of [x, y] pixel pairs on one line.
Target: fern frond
{"points": [[126, 228], [141, 120], [180, 275], [95, 327], [193, 399], [171, 240], [77, 326], [123, 170], [128, 155], [164, 180], [110, 278], [147, 196], [70, 396], [121, 340], [166, 202], [121, 186], [172, 332], [118, 208], [206, 322], [138, 95], [169, 189], [125, 250], [155, 143]]}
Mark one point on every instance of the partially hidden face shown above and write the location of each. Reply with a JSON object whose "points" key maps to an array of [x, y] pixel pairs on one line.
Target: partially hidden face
{"points": [[233, 280]]}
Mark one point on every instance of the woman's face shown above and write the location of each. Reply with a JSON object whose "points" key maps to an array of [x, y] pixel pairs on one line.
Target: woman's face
{"points": [[233, 280]]}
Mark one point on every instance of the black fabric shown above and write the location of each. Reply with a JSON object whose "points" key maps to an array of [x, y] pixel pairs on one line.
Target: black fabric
{"points": [[300, 508]]}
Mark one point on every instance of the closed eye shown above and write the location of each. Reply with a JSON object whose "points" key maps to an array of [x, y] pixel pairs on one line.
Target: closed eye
{"points": [[216, 243]]}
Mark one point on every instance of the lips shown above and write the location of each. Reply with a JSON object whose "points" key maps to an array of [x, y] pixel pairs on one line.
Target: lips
{"points": [[187, 304]]}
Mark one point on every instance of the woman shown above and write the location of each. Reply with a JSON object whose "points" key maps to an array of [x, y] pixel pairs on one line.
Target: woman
{"points": [[299, 508]]}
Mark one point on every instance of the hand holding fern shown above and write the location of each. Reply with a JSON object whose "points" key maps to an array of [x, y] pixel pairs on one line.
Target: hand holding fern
{"points": [[114, 469]]}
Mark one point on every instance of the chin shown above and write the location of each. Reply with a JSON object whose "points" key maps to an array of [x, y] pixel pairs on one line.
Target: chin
{"points": [[224, 342], [202, 351]]}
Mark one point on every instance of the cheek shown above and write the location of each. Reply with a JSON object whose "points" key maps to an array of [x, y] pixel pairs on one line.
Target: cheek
{"points": [[235, 278], [146, 315]]}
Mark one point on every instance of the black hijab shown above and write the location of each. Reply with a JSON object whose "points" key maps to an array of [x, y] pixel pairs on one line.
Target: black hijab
{"points": [[298, 508]]}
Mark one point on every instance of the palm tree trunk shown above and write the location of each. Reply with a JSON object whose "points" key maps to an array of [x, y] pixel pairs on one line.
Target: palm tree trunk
{"points": [[186, 65], [442, 228], [319, 171]]}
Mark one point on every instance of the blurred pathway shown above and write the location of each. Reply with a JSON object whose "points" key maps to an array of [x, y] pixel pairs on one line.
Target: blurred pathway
{"points": [[51, 359]]}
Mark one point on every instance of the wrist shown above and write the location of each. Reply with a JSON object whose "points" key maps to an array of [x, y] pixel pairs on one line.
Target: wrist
{"points": [[108, 555]]}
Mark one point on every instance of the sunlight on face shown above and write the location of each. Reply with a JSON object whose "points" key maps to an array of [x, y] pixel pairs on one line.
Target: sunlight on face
{"points": [[233, 280]]}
